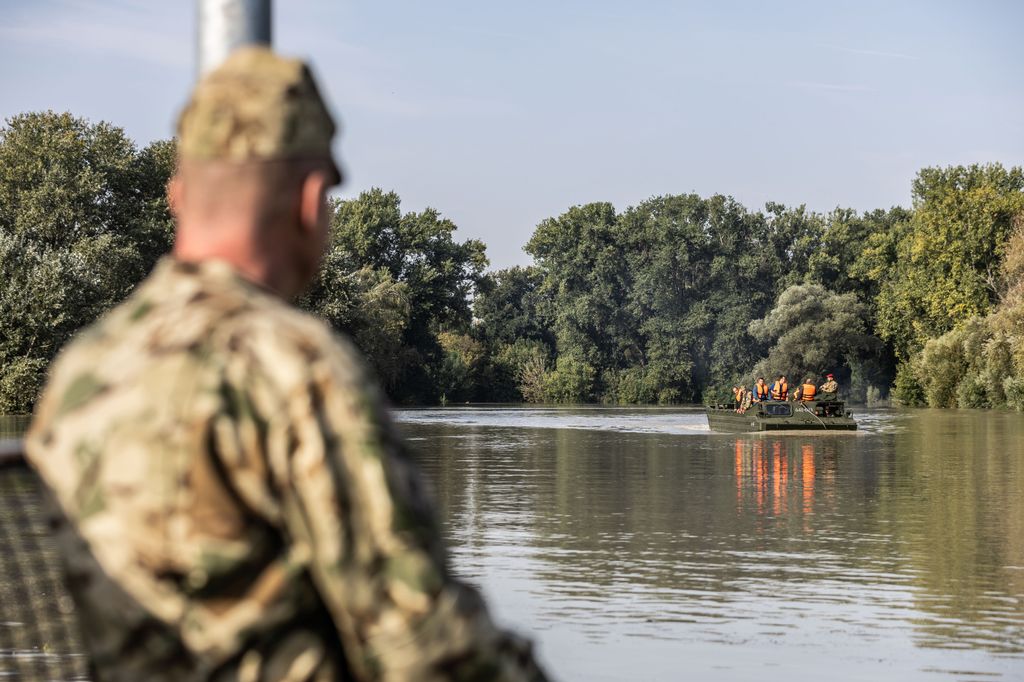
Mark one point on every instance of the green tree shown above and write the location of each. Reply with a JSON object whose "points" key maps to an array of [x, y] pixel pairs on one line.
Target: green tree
{"points": [[855, 252], [508, 307], [83, 218], [438, 273], [367, 305], [571, 381], [510, 320], [585, 283], [942, 269], [813, 330], [457, 375]]}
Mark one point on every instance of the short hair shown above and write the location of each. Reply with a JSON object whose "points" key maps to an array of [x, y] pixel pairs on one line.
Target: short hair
{"points": [[274, 184]]}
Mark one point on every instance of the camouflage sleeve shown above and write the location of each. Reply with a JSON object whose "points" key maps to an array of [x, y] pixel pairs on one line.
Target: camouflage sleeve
{"points": [[354, 505]]}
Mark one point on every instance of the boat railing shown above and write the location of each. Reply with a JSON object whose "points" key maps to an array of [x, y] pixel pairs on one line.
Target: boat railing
{"points": [[770, 408], [40, 637]]}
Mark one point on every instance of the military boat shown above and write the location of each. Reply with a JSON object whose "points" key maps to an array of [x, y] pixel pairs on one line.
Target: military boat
{"points": [[813, 415]]}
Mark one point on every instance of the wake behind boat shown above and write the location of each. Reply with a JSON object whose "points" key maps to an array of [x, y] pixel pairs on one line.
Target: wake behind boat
{"points": [[813, 415]]}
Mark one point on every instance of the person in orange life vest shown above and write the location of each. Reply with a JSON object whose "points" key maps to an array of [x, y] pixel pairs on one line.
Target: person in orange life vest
{"points": [[807, 390], [780, 389], [761, 391]]}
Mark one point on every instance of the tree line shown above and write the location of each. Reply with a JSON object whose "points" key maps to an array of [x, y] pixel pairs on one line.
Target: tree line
{"points": [[670, 301]]}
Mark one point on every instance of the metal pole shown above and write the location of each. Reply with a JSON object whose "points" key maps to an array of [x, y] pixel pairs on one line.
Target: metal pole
{"points": [[227, 24]]}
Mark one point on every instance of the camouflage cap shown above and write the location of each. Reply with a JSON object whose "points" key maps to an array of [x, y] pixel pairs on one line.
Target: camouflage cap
{"points": [[257, 105]]}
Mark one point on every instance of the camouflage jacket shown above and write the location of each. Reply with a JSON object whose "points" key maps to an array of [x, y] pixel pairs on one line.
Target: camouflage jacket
{"points": [[236, 505]]}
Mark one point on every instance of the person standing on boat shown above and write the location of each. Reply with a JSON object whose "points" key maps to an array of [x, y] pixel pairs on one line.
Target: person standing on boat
{"points": [[829, 389], [780, 389], [761, 391], [807, 391]]}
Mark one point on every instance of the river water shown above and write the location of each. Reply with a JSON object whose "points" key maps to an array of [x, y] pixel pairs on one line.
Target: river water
{"points": [[634, 544]]}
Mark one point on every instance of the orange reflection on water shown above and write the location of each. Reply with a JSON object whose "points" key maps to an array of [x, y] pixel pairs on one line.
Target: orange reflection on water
{"points": [[760, 473], [765, 466], [779, 477], [807, 476], [739, 474]]}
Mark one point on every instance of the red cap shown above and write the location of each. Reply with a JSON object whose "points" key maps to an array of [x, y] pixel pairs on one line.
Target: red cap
{"points": [[828, 376]]}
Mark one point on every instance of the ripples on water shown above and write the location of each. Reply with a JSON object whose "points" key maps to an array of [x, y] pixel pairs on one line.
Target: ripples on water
{"points": [[637, 545]]}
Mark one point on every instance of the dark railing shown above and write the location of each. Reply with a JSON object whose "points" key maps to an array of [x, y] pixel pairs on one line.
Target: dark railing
{"points": [[12, 428], [39, 636], [10, 453]]}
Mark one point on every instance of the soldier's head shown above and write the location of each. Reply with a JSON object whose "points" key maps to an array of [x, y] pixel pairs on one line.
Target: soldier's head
{"points": [[254, 167]]}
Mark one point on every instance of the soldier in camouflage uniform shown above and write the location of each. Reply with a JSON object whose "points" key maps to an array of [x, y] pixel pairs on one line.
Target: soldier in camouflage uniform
{"points": [[236, 505], [830, 389]]}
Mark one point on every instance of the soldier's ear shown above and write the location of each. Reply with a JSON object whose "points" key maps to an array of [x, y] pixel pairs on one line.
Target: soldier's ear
{"points": [[313, 201]]}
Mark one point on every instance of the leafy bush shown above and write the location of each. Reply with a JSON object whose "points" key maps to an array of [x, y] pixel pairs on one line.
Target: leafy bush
{"points": [[1014, 389], [532, 376], [907, 390], [572, 381], [455, 376], [669, 396], [20, 382], [942, 367], [518, 371], [628, 386], [970, 392], [998, 356]]}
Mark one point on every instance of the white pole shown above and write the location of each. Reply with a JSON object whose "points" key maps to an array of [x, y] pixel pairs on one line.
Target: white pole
{"points": [[227, 24]]}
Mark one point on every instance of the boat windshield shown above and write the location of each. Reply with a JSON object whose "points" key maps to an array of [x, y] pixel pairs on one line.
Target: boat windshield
{"points": [[777, 409]]}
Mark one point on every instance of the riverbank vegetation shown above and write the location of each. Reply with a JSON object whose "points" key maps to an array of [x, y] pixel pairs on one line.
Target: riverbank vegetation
{"points": [[669, 301]]}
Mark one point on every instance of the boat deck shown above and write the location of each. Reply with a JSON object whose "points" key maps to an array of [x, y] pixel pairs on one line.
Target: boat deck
{"points": [[814, 415]]}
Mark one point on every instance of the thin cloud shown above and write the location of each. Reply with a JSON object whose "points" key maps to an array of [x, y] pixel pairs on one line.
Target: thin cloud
{"points": [[869, 53], [834, 87], [407, 102], [487, 33], [123, 29]]}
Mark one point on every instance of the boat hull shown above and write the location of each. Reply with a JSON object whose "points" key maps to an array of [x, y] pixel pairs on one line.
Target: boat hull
{"points": [[782, 416]]}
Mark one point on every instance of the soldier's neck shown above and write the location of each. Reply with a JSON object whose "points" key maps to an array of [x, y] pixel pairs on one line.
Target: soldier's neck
{"points": [[251, 257]]}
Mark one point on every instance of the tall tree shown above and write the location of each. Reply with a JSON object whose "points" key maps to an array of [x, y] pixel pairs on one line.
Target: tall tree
{"points": [[585, 283], [943, 268], [83, 218], [439, 275], [508, 307], [813, 330]]}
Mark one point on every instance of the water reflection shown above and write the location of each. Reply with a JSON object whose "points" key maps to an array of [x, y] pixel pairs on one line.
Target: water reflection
{"points": [[771, 471], [897, 552]]}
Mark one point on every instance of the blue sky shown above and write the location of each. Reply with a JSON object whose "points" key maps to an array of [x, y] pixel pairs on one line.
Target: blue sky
{"points": [[502, 114]]}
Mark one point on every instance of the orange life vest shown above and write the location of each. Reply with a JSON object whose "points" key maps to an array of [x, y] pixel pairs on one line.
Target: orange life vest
{"points": [[780, 392], [808, 391], [761, 391]]}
